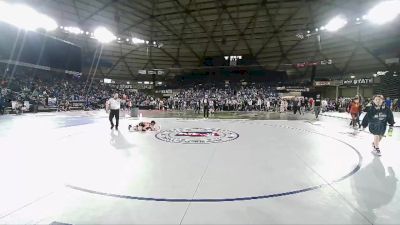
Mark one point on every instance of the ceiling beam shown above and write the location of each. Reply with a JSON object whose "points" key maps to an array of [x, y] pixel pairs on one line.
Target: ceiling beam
{"points": [[187, 11], [181, 31], [242, 32], [82, 21], [365, 48], [120, 58], [179, 37], [278, 30], [218, 21]]}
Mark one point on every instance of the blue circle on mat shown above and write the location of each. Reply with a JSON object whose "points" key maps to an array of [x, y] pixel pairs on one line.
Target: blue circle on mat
{"points": [[246, 198]]}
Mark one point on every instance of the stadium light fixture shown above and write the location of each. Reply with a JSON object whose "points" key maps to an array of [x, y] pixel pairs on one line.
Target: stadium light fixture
{"points": [[46, 23], [336, 24], [103, 35], [73, 30], [138, 41], [384, 12], [24, 17]]}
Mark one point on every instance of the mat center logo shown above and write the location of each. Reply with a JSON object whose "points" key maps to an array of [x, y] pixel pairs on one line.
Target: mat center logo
{"points": [[197, 135]]}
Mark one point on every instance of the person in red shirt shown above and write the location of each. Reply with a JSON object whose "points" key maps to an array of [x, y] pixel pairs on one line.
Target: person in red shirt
{"points": [[311, 103], [355, 110]]}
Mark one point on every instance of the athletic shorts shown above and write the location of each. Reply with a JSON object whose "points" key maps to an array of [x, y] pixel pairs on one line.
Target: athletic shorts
{"points": [[354, 115]]}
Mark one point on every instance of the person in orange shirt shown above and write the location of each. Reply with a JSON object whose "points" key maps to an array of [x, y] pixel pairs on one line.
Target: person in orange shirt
{"points": [[355, 110]]}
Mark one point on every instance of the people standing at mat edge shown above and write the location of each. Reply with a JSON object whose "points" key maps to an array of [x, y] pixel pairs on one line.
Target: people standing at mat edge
{"points": [[296, 105], [317, 105], [114, 105], [377, 118], [206, 106], [355, 109]]}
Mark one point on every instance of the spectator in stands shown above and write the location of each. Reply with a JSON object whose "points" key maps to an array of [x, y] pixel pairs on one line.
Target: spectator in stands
{"points": [[2, 104], [398, 106], [395, 105], [388, 103], [67, 105]]}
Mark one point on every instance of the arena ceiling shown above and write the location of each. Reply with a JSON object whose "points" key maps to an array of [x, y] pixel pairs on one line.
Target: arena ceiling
{"points": [[191, 30]]}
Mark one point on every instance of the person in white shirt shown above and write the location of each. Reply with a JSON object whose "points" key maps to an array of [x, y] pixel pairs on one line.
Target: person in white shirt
{"points": [[259, 103], [206, 106], [113, 105]]}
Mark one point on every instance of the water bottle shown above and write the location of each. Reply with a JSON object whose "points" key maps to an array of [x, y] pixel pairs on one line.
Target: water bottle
{"points": [[390, 131]]}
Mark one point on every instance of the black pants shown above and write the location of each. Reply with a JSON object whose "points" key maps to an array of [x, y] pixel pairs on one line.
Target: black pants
{"points": [[197, 109], [206, 111], [295, 109], [114, 112]]}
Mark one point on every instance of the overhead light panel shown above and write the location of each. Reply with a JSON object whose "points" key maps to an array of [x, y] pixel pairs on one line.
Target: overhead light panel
{"points": [[138, 41], [384, 12], [73, 30], [103, 35], [24, 17], [336, 24], [46, 23]]}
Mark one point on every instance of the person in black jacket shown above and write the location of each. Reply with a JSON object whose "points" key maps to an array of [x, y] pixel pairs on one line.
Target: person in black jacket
{"points": [[377, 117], [317, 105]]}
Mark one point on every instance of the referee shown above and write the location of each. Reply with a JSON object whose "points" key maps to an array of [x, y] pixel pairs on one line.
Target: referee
{"points": [[206, 107], [114, 104]]}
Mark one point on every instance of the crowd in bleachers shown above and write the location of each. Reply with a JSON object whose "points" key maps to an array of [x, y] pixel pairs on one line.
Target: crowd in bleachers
{"points": [[62, 93]]}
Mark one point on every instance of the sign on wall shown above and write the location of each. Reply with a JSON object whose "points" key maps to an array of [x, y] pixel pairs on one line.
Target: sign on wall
{"points": [[358, 81], [346, 82]]}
